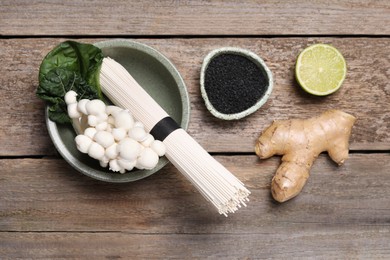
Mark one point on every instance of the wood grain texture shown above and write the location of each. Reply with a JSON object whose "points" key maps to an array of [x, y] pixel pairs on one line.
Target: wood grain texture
{"points": [[335, 243], [48, 210], [46, 195], [188, 17], [365, 93]]}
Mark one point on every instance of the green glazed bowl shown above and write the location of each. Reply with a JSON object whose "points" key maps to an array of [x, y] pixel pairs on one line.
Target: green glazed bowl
{"points": [[158, 76]]}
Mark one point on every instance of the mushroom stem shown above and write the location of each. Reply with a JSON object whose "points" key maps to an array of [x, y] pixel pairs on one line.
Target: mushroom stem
{"points": [[77, 126]]}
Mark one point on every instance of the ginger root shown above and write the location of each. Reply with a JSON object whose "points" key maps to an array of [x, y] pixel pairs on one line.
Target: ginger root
{"points": [[300, 142]]}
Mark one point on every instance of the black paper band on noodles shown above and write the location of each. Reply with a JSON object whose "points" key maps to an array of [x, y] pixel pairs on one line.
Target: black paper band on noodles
{"points": [[163, 128]]}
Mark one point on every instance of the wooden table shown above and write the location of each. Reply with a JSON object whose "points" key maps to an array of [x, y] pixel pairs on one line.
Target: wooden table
{"points": [[48, 210]]}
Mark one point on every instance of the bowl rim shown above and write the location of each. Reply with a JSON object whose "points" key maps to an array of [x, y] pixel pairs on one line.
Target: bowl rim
{"points": [[245, 53], [185, 116], [166, 62]]}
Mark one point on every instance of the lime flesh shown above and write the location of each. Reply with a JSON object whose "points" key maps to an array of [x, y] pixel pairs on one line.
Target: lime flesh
{"points": [[320, 69]]}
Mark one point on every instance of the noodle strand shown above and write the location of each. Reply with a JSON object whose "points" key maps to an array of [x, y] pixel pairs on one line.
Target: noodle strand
{"points": [[212, 179]]}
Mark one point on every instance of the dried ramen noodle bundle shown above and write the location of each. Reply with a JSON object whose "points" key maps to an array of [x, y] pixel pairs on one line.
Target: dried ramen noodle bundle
{"points": [[212, 179]]}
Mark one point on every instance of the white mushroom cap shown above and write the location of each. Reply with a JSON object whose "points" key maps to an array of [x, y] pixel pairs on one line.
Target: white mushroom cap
{"points": [[83, 143], [128, 165], [101, 126], [137, 133], [90, 132], [104, 138], [119, 133], [124, 119], [70, 97], [102, 117], [159, 147], [72, 111], [111, 110], [96, 151], [81, 106], [148, 159], [93, 120], [95, 107], [148, 140], [112, 152], [129, 149], [139, 166], [113, 137]]}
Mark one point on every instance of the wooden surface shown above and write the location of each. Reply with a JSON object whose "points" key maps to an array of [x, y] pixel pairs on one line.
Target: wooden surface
{"points": [[48, 210], [175, 17]]}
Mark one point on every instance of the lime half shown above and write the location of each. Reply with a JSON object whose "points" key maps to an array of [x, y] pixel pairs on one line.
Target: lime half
{"points": [[320, 69]]}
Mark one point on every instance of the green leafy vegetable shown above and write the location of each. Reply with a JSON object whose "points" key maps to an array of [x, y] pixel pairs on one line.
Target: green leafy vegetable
{"points": [[69, 66]]}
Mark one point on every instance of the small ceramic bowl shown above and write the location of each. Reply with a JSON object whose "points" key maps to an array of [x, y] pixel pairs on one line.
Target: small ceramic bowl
{"points": [[158, 76], [252, 57]]}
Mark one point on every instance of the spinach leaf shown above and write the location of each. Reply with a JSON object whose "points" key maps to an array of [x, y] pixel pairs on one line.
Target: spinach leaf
{"points": [[53, 87], [69, 66]]}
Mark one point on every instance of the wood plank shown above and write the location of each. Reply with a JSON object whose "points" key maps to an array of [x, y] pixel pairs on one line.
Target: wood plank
{"points": [[220, 17], [303, 243], [46, 195], [365, 93]]}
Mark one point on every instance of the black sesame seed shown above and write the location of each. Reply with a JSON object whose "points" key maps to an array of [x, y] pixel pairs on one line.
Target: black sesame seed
{"points": [[234, 83]]}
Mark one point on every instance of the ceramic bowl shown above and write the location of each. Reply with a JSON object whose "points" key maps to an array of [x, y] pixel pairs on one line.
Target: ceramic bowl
{"points": [[158, 76], [252, 57]]}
